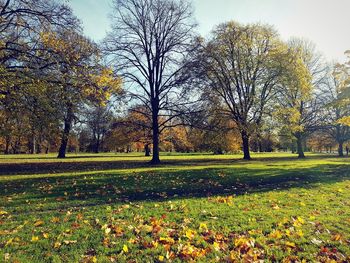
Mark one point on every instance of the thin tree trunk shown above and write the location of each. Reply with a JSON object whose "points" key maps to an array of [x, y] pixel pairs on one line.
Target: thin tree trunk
{"points": [[97, 145], [65, 134], [7, 144], [340, 149], [147, 152], [245, 140], [300, 146], [155, 137]]}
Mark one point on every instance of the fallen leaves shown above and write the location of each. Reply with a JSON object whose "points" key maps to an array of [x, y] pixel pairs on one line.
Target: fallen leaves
{"points": [[39, 223], [222, 199], [125, 249]]}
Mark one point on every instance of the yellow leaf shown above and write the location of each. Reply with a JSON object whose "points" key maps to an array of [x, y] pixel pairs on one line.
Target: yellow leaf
{"points": [[190, 234], [35, 238], [46, 235], [9, 242], [125, 249], [203, 227], [300, 233], [161, 258], [39, 223], [216, 246], [55, 220], [147, 228], [275, 207], [107, 230], [57, 245], [288, 234], [2, 212], [336, 237], [276, 234], [290, 244]]}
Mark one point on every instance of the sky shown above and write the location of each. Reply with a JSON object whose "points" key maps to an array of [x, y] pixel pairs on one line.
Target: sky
{"points": [[324, 22]]}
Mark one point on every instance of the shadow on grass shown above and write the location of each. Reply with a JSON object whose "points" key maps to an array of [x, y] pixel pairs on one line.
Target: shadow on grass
{"points": [[99, 188], [82, 166]]}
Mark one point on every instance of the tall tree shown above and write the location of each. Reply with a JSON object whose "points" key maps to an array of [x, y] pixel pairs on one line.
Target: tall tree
{"points": [[21, 22], [298, 104], [343, 78], [337, 106], [241, 65], [77, 75], [149, 43]]}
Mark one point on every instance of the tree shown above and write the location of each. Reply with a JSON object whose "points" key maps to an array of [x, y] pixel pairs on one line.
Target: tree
{"points": [[21, 62], [298, 106], [343, 78], [241, 65], [149, 44], [337, 106], [77, 75], [98, 120], [21, 22]]}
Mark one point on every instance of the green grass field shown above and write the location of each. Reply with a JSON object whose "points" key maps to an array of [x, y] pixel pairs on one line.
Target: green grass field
{"points": [[202, 208]]}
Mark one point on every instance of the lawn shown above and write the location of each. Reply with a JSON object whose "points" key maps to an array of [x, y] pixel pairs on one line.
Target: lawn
{"points": [[203, 208]]}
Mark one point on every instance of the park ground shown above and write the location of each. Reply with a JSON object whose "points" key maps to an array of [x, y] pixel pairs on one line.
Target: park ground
{"points": [[195, 207]]}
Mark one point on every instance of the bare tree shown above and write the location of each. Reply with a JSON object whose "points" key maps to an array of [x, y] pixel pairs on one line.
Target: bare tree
{"points": [[336, 107], [148, 45]]}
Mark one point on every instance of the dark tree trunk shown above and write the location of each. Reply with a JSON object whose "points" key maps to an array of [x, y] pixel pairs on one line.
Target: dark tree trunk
{"points": [[97, 145], [300, 146], [147, 151], [340, 149], [38, 148], [7, 145], [155, 137], [65, 134], [218, 151], [245, 140], [31, 144]]}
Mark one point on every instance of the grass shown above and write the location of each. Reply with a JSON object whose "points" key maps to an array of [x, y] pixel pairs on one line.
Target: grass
{"points": [[204, 208]]}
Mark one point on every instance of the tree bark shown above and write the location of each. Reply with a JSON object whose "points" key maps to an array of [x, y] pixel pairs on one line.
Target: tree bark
{"points": [[7, 145], [65, 135], [300, 146], [245, 140], [155, 137], [97, 145], [340, 149]]}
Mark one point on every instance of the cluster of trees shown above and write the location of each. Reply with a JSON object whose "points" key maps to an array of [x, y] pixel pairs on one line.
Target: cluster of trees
{"points": [[242, 88], [49, 72]]}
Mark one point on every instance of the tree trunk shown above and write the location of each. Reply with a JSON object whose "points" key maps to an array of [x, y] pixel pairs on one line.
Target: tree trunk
{"points": [[31, 144], [340, 149], [7, 145], [245, 140], [147, 152], [218, 151], [97, 145], [155, 137], [300, 146], [65, 134]]}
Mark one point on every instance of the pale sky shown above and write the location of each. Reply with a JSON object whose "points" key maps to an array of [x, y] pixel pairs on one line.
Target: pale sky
{"points": [[324, 22]]}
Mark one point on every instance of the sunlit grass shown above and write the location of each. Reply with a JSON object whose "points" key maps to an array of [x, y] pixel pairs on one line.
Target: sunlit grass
{"points": [[62, 216]]}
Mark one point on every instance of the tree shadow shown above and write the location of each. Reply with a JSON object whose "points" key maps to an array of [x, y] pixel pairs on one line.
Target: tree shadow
{"points": [[82, 166], [91, 189]]}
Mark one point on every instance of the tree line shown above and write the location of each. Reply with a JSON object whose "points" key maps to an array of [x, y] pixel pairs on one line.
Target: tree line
{"points": [[155, 84]]}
